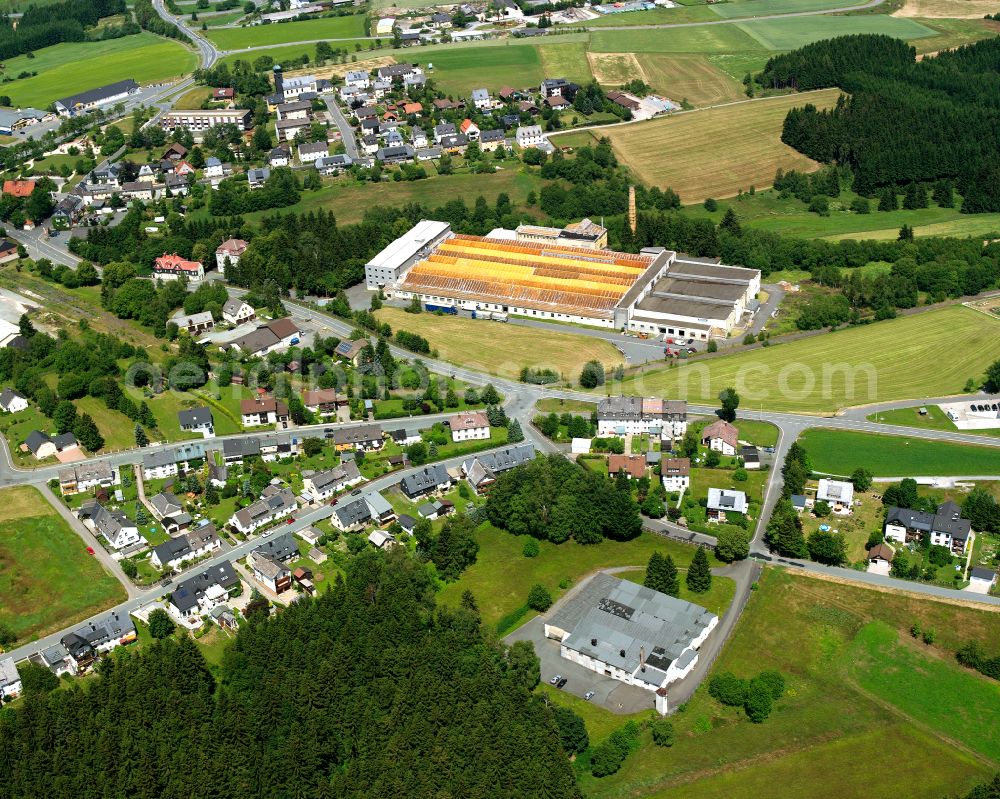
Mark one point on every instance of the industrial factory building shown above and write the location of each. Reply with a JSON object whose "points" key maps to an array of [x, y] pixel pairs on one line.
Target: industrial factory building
{"points": [[565, 275]]}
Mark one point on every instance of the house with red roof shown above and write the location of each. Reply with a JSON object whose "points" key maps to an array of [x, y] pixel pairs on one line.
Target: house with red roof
{"points": [[470, 129], [170, 266]]}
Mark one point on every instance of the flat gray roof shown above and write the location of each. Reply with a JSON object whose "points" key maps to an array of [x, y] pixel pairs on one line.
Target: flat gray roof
{"points": [[703, 267], [698, 288], [675, 306]]}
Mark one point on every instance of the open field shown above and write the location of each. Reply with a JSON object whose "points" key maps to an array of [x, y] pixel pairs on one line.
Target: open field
{"points": [[566, 60], [72, 67], [718, 151], [193, 99], [458, 72], [349, 202], [691, 78], [479, 344], [951, 33], [840, 452], [615, 69], [788, 34], [699, 39], [959, 702], [501, 577], [47, 579], [826, 724], [756, 8], [852, 366], [348, 27], [786, 215], [934, 419], [955, 9]]}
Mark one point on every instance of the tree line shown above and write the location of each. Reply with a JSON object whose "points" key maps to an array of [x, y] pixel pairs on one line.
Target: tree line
{"points": [[902, 121], [367, 690], [51, 24]]}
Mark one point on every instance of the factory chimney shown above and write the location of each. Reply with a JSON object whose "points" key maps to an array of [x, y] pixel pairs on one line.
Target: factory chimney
{"points": [[631, 208]]}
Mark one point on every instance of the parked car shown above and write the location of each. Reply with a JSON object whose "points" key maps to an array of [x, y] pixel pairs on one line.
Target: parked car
{"points": [[692, 350], [555, 679], [589, 695], [561, 682], [90, 550], [291, 520]]}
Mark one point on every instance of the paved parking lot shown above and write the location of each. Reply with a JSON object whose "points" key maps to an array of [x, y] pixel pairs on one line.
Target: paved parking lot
{"points": [[612, 694]]}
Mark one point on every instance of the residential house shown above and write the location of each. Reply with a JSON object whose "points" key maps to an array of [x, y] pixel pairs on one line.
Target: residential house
{"points": [[288, 129], [218, 476], [490, 140], [204, 591], [297, 86], [798, 502], [167, 506], [213, 168], [366, 437], [333, 164], [381, 539], [10, 680], [176, 184], [444, 104], [140, 190], [634, 466], [837, 493], [361, 509], [224, 94], [529, 136], [184, 169], [67, 211], [300, 109], [56, 659], [276, 335], [750, 457], [196, 323], [357, 79], [625, 100], [279, 156], [621, 416], [880, 558], [398, 72], [428, 153], [722, 501], [257, 177], [323, 485], [403, 438], [41, 445], [238, 312], [232, 249], [400, 154], [100, 635], [269, 572], [481, 99], [236, 450], [436, 509], [114, 526], [194, 544], [950, 530], [262, 411], [443, 130], [411, 109], [174, 152], [310, 535], [469, 426], [223, 616], [721, 436], [481, 471], [275, 503], [455, 144], [84, 476], [426, 480], [527, 107], [558, 87], [308, 153], [172, 267], [557, 102], [418, 138], [323, 402], [469, 129], [370, 144], [158, 465], [675, 474], [197, 420], [351, 350], [12, 402]]}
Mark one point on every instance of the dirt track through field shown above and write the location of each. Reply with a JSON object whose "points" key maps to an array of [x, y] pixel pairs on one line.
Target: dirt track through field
{"points": [[948, 9]]}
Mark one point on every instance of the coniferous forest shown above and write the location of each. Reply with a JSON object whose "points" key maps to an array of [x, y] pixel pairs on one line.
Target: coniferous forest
{"points": [[366, 691], [902, 121]]}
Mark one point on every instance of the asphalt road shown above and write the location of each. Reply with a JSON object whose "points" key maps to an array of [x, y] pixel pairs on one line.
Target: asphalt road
{"points": [[346, 131]]}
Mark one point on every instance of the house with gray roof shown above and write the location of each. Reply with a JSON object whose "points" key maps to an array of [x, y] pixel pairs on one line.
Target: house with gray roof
{"points": [[629, 632], [361, 509], [427, 480], [203, 591], [197, 420], [103, 634], [234, 450], [323, 485], [366, 436], [114, 526], [12, 402], [10, 680], [481, 470], [272, 506]]}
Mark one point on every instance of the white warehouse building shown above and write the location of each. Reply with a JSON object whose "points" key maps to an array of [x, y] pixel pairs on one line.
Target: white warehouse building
{"points": [[629, 632]]}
